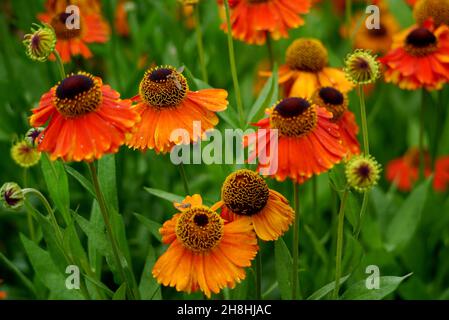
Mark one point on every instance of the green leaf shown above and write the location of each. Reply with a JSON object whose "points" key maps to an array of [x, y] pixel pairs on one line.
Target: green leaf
{"points": [[81, 179], [107, 179], [149, 288], [317, 245], [57, 185], [323, 291], [359, 291], [120, 294], [267, 97], [283, 268], [164, 195], [405, 222], [151, 225], [10, 265], [47, 272]]}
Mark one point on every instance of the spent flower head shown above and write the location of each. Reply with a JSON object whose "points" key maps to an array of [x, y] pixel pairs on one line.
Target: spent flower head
{"points": [[363, 172], [25, 154], [362, 67], [40, 43]]}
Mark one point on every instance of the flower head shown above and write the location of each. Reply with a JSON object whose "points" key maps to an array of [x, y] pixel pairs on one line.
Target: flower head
{"points": [[419, 58], [11, 195], [205, 251], [32, 136], [361, 67], [245, 195], [306, 69], [86, 119], [253, 21], [166, 104], [438, 10], [308, 142], [363, 172], [25, 154], [40, 43]]}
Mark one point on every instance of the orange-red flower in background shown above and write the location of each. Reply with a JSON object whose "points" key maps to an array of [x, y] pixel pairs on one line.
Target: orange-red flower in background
{"points": [[121, 18], [419, 58], [254, 20], [336, 102], [72, 41], [441, 178], [309, 142], [404, 171], [205, 251], [306, 70], [86, 119], [165, 104]]}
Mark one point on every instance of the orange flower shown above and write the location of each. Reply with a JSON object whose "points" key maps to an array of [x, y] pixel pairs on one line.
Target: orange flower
{"points": [[166, 104], [253, 20], [3, 295], [121, 18], [412, 2], [441, 179], [337, 103], [306, 70], [404, 171], [245, 195], [309, 143], [73, 41], [419, 58], [86, 119], [205, 252]]}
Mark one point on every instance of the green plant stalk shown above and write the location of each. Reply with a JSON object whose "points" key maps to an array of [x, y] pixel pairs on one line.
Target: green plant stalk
{"points": [[259, 275], [295, 248], [348, 16], [421, 137], [58, 231], [362, 214], [270, 50], [60, 64], [235, 79], [109, 231], [361, 95], [315, 195], [183, 174], [200, 43], [339, 254]]}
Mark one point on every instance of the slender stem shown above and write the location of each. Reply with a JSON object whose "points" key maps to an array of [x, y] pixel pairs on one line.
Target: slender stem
{"points": [[31, 226], [348, 13], [233, 66], [421, 137], [259, 275], [295, 248], [362, 214], [270, 50], [340, 229], [60, 64], [183, 174], [361, 95], [106, 217], [315, 195], [199, 43]]}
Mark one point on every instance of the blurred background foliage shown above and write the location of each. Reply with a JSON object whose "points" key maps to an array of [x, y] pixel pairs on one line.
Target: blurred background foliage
{"points": [[403, 233]]}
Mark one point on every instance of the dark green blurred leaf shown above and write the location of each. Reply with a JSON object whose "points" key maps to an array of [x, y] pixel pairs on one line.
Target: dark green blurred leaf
{"points": [[164, 195], [323, 291], [151, 225], [283, 267]]}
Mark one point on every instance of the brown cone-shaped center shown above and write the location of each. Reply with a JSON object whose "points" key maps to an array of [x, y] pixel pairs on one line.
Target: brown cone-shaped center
{"points": [[245, 192], [378, 32], [331, 96], [199, 229], [78, 94], [294, 117], [64, 26], [421, 37]]}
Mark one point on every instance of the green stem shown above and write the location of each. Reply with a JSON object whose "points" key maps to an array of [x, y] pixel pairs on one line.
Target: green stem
{"points": [[340, 229], [109, 231], [233, 66], [421, 137], [348, 13], [315, 195], [31, 226], [200, 45], [361, 95], [259, 275], [362, 214], [270, 50], [183, 174], [60, 64], [295, 248]]}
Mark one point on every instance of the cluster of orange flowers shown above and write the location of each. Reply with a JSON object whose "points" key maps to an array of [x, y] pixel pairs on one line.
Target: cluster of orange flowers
{"points": [[85, 119]]}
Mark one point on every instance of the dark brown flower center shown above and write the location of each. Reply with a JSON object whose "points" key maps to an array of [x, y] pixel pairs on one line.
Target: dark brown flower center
{"points": [[201, 220], [421, 37], [378, 32], [70, 87], [331, 96], [160, 74], [294, 117], [63, 29], [292, 107], [364, 171]]}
